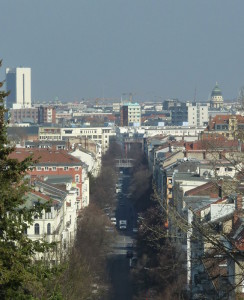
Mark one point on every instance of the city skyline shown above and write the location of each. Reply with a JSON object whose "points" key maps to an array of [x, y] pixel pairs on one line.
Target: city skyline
{"points": [[155, 50]]}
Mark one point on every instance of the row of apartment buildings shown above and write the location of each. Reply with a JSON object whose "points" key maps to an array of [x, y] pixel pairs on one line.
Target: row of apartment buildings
{"points": [[200, 186], [59, 177]]}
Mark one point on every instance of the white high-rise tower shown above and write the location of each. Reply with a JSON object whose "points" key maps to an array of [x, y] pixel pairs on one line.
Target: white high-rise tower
{"points": [[18, 82]]}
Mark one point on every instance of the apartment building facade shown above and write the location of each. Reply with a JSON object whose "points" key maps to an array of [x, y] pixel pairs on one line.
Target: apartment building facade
{"points": [[57, 223], [57, 167], [197, 114], [100, 135], [130, 114]]}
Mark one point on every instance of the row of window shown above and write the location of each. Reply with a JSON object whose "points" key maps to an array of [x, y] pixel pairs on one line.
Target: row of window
{"points": [[226, 169], [88, 131], [53, 137], [55, 168], [48, 215], [37, 229]]}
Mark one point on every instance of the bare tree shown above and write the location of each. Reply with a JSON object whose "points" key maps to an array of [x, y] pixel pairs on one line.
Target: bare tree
{"points": [[85, 276]]}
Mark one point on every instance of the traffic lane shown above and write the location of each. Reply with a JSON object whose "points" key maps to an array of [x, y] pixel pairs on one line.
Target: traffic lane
{"points": [[122, 243], [119, 270], [125, 211], [122, 288]]}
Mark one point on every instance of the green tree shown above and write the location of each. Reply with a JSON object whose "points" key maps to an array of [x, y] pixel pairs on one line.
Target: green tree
{"points": [[20, 276]]}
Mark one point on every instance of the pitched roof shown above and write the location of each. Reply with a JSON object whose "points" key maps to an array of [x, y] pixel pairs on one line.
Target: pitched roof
{"points": [[212, 144], [224, 119], [46, 157], [207, 189]]}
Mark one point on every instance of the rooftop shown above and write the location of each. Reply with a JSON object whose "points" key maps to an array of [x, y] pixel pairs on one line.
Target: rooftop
{"points": [[46, 156], [216, 91]]}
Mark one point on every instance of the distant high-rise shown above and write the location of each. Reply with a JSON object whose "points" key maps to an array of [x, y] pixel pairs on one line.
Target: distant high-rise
{"points": [[130, 114], [197, 114], [18, 82]]}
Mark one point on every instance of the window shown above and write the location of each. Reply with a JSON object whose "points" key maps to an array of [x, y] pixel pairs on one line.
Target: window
{"points": [[48, 228], [68, 131], [77, 178], [77, 192], [66, 168], [76, 168], [39, 168], [54, 168], [37, 229], [46, 168]]}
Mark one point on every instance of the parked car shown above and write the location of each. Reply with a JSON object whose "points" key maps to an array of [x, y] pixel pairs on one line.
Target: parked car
{"points": [[133, 262], [129, 254], [113, 220]]}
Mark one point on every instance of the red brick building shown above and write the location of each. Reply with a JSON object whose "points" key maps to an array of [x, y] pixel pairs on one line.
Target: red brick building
{"points": [[57, 167]]}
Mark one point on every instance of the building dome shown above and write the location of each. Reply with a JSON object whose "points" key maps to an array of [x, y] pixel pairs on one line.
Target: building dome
{"points": [[216, 91], [216, 100]]}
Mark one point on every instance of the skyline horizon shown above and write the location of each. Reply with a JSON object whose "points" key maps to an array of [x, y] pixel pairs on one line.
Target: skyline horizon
{"points": [[99, 49], [120, 97]]}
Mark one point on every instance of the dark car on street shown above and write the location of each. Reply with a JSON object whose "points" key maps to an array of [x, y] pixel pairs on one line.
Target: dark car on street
{"points": [[129, 254]]}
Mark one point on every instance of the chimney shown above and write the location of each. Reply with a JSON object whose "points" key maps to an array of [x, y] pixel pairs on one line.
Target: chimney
{"points": [[239, 204], [238, 213], [170, 148], [239, 145], [220, 191]]}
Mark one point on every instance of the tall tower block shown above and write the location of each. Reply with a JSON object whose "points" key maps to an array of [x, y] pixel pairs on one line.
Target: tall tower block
{"points": [[18, 82]]}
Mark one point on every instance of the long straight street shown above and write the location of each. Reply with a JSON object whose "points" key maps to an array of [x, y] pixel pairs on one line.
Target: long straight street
{"points": [[119, 264]]}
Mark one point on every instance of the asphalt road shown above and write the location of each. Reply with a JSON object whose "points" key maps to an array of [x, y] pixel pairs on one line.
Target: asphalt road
{"points": [[118, 263]]}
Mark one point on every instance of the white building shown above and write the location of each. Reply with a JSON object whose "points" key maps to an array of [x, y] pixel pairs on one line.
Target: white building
{"points": [[197, 114], [85, 187], [58, 223], [101, 135], [116, 107], [18, 82], [189, 133], [93, 162]]}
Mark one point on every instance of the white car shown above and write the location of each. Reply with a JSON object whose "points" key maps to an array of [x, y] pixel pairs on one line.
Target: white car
{"points": [[122, 224], [113, 220]]}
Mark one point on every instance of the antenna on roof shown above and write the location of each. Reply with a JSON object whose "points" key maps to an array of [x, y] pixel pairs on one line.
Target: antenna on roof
{"points": [[195, 94]]}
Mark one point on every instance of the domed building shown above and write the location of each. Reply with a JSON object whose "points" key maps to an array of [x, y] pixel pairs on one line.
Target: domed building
{"points": [[216, 100]]}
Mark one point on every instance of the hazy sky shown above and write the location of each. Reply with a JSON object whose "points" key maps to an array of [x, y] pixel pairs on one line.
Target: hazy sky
{"points": [[104, 48]]}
